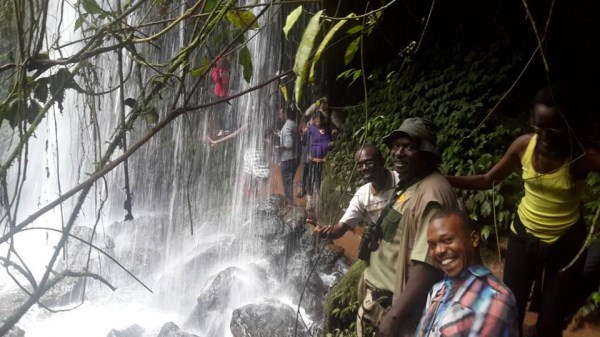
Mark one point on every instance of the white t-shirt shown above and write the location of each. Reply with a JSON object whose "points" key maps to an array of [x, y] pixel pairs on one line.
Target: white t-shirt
{"points": [[366, 206]]}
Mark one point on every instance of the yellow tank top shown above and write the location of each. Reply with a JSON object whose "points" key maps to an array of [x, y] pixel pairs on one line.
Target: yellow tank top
{"points": [[551, 203]]}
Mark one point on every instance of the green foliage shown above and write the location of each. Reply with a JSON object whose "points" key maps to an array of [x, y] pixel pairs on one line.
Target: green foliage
{"points": [[24, 106], [245, 60], [592, 198], [305, 50], [291, 19], [92, 13], [341, 304], [455, 88], [202, 68], [351, 50], [242, 19], [592, 306], [91, 7], [326, 40], [303, 54], [351, 73]]}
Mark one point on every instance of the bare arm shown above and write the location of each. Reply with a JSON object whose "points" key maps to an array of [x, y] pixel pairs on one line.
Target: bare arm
{"points": [[421, 277], [588, 163], [331, 232], [510, 162], [229, 136]]}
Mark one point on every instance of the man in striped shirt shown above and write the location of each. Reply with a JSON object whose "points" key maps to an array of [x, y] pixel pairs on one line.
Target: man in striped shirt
{"points": [[470, 301]]}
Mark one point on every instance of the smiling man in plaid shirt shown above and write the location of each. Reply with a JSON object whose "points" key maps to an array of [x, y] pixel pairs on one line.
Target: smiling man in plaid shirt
{"points": [[470, 301]]}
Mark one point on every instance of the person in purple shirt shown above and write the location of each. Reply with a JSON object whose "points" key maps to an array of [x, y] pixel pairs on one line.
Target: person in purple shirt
{"points": [[321, 139]]}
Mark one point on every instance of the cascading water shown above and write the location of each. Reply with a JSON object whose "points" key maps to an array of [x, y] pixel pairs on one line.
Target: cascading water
{"points": [[201, 241]]}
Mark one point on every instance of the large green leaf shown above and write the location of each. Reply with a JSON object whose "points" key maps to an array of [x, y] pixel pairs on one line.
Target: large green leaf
{"points": [[91, 7], [351, 50], [245, 61], [301, 64], [203, 68], [242, 19], [291, 20], [354, 29], [210, 5], [324, 44], [79, 22]]}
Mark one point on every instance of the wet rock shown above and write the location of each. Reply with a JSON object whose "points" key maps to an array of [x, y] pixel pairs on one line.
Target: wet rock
{"points": [[202, 259], [131, 331], [268, 227], [310, 271], [270, 206], [312, 290], [141, 241], [15, 331], [216, 297], [295, 219], [332, 261], [270, 318], [170, 329]]}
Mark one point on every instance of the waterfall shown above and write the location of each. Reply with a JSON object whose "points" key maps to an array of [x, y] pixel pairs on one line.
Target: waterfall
{"points": [[196, 227]]}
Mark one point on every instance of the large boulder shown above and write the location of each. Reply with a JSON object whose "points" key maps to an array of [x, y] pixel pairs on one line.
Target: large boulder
{"points": [[142, 242], [332, 263], [295, 219], [170, 329], [270, 318], [271, 205], [131, 331], [271, 219], [267, 227], [217, 296]]}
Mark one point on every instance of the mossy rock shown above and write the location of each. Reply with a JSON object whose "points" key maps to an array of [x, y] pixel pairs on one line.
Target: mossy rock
{"points": [[341, 304]]}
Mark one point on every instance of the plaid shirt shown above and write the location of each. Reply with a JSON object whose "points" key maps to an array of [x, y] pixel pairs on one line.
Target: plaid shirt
{"points": [[255, 163], [476, 304]]}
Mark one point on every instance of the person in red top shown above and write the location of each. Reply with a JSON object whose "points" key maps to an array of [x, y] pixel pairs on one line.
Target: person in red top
{"points": [[220, 76]]}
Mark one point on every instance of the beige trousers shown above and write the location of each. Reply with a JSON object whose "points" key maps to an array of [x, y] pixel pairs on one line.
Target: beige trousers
{"points": [[370, 311]]}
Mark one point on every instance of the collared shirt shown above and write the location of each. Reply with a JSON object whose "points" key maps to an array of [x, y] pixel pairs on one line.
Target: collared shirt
{"points": [[475, 304], [366, 204]]}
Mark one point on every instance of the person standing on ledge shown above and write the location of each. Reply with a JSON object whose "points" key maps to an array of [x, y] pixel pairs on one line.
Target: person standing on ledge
{"points": [[394, 286], [549, 230], [290, 153], [321, 142], [470, 301]]}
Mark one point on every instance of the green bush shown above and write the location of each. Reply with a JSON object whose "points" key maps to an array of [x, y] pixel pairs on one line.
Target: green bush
{"points": [[341, 304]]}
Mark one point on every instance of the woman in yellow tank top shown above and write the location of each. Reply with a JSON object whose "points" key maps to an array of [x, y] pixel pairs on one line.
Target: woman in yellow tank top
{"points": [[549, 230]]}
